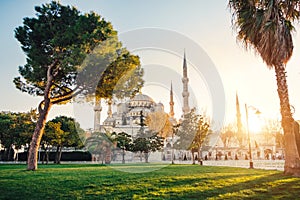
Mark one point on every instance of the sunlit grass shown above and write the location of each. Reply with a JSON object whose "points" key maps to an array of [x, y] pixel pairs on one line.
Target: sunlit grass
{"points": [[160, 182]]}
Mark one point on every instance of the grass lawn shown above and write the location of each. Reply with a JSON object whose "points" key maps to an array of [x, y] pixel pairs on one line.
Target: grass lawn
{"points": [[83, 181]]}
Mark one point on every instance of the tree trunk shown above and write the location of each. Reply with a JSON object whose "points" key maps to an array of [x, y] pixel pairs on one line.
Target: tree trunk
{"points": [[56, 155], [200, 156], [43, 108], [123, 155], [292, 159], [146, 154], [27, 154], [193, 158], [17, 155], [59, 155], [47, 155], [36, 138]]}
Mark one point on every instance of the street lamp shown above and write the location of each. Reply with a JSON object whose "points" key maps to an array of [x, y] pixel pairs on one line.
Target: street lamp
{"points": [[172, 153], [216, 152], [249, 142]]}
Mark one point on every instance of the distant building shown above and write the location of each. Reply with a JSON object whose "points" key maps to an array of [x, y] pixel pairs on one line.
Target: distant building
{"points": [[127, 117], [264, 145]]}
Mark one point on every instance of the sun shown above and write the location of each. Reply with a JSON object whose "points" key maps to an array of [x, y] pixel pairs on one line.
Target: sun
{"points": [[255, 124]]}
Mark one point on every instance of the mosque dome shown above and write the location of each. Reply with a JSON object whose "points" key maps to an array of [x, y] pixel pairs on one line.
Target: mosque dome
{"points": [[142, 97], [141, 100]]}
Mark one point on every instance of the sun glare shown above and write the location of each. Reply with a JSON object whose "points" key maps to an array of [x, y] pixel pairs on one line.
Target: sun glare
{"points": [[255, 124]]}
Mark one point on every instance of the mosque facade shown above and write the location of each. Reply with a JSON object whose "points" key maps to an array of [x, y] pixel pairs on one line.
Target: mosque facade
{"points": [[127, 117]]}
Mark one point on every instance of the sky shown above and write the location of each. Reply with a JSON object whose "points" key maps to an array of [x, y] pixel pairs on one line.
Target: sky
{"points": [[206, 23]]}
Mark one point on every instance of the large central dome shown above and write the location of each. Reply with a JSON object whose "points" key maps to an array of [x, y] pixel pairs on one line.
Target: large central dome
{"points": [[142, 97], [141, 100]]}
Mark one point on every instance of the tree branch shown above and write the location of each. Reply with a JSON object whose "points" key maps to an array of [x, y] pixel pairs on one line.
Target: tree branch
{"points": [[40, 109], [64, 88], [65, 97]]}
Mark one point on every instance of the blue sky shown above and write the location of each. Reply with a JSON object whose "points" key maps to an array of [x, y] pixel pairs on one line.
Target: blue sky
{"points": [[207, 23]]}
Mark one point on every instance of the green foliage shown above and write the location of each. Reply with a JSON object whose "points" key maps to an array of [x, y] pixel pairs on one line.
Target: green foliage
{"points": [[16, 128], [63, 131], [101, 144], [59, 37], [192, 132], [266, 26], [57, 42], [123, 140], [172, 182], [122, 78], [146, 143]]}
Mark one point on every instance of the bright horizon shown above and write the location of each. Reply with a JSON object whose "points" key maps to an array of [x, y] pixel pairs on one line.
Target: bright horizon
{"points": [[207, 23]]}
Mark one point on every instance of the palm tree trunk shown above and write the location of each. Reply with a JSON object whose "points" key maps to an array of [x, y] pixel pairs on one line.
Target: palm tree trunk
{"points": [[292, 159]]}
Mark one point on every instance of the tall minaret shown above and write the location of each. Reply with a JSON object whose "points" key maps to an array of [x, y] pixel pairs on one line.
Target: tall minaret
{"points": [[97, 113], [238, 117], [109, 111], [171, 114], [185, 93]]}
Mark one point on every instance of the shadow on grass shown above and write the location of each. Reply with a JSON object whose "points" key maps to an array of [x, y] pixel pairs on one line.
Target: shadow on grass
{"points": [[259, 187], [172, 182]]}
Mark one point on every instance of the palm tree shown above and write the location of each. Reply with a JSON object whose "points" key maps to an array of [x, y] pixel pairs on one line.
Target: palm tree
{"points": [[266, 26]]}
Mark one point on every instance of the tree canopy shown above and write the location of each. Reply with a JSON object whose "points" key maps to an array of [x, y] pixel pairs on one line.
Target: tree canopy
{"points": [[16, 129], [62, 132], [192, 132], [267, 27], [56, 43]]}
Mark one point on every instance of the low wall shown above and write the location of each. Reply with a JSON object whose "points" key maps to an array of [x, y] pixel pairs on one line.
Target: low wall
{"points": [[257, 164]]}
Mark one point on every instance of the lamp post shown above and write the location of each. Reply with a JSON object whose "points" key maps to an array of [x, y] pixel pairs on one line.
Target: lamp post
{"points": [[216, 152], [172, 154], [249, 141]]}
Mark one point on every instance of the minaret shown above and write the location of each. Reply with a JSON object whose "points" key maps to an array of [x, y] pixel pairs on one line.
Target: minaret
{"points": [[185, 93], [97, 113], [238, 118], [109, 111], [171, 103]]}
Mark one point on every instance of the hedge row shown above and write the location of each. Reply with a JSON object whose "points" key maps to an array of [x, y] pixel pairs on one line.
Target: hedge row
{"points": [[65, 156]]}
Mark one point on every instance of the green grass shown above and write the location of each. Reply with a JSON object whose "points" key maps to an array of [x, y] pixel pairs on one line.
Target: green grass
{"points": [[83, 181]]}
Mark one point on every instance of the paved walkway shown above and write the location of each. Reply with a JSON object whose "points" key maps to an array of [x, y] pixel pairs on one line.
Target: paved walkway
{"points": [[258, 164]]}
